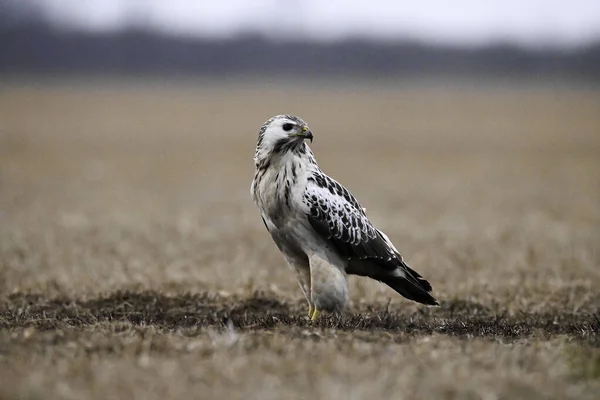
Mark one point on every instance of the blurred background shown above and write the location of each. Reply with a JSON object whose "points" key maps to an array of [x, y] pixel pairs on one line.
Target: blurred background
{"points": [[127, 131], [308, 38]]}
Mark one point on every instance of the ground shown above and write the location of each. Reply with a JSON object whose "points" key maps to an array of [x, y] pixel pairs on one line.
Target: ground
{"points": [[133, 263]]}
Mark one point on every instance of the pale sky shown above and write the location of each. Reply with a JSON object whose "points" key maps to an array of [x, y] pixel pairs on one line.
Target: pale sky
{"points": [[471, 22]]}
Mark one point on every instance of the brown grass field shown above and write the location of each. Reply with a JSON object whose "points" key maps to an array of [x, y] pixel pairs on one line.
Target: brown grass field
{"points": [[133, 263]]}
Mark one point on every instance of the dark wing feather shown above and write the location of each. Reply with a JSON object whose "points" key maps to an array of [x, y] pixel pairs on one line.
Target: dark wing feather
{"points": [[336, 216]]}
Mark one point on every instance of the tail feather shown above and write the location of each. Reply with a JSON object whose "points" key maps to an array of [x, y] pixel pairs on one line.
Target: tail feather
{"points": [[399, 276], [410, 284], [422, 282], [414, 290]]}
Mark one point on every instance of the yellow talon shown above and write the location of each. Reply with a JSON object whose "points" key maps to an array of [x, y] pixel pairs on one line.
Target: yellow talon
{"points": [[316, 315], [311, 310]]}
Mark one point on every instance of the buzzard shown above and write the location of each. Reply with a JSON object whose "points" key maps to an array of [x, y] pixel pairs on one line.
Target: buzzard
{"points": [[319, 226]]}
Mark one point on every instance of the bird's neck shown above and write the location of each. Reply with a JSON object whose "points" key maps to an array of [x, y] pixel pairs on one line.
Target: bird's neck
{"points": [[264, 159]]}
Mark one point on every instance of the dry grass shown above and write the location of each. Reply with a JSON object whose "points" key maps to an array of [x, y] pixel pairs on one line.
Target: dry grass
{"points": [[134, 265]]}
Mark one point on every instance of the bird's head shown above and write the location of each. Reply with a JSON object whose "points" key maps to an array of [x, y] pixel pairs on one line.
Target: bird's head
{"points": [[281, 134]]}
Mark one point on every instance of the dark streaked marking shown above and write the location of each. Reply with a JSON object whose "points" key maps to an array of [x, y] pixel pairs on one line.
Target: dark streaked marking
{"points": [[265, 222], [287, 194], [294, 171], [287, 144], [263, 164]]}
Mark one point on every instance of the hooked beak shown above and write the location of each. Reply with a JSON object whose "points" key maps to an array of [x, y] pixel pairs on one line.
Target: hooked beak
{"points": [[306, 133]]}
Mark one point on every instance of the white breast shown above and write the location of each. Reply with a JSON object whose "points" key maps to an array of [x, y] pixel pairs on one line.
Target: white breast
{"points": [[278, 191]]}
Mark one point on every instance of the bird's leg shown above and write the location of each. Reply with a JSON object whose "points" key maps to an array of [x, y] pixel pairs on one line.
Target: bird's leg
{"points": [[316, 314], [302, 273], [328, 285]]}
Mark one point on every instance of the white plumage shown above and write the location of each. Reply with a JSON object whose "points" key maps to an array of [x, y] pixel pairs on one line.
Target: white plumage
{"points": [[318, 225]]}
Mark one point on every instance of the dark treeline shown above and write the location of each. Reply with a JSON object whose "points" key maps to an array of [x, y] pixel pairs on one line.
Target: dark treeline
{"points": [[37, 48]]}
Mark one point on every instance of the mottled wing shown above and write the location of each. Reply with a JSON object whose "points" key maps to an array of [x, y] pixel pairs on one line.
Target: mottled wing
{"points": [[337, 216]]}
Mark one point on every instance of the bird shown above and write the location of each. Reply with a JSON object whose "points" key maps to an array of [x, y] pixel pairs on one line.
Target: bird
{"points": [[317, 224]]}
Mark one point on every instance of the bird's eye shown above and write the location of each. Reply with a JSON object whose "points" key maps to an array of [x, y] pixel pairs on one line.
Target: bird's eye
{"points": [[287, 127]]}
